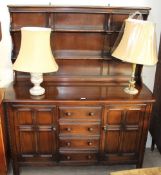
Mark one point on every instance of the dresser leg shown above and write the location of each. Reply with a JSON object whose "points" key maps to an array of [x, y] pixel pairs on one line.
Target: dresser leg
{"points": [[139, 165], [16, 170], [152, 145]]}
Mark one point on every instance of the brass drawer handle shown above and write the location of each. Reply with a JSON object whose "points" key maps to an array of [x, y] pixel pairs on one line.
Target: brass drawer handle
{"points": [[68, 129], [54, 128], [105, 128], [68, 158], [90, 129], [68, 113], [91, 114], [90, 143], [68, 144], [89, 157]]}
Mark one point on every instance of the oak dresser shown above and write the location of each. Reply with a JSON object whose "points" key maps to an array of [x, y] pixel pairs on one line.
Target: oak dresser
{"points": [[84, 118]]}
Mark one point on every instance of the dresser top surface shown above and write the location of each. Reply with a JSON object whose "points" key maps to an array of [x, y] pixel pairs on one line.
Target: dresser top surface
{"points": [[77, 93]]}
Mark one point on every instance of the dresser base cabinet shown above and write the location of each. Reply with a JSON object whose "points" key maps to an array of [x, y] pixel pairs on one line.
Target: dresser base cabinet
{"points": [[73, 132]]}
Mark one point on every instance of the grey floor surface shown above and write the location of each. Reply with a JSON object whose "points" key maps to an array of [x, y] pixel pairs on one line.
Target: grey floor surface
{"points": [[151, 159]]}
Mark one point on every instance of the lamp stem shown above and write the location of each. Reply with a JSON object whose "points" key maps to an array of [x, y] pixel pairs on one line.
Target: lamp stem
{"points": [[131, 87], [133, 72]]}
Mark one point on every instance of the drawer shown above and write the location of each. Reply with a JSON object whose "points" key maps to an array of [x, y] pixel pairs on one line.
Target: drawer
{"points": [[78, 157], [79, 129], [86, 144], [80, 112]]}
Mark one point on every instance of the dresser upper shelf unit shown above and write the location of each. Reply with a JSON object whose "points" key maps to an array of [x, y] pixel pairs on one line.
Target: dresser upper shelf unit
{"points": [[99, 19], [99, 25], [82, 40]]}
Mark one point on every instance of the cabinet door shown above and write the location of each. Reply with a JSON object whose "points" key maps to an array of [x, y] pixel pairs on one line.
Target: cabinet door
{"points": [[123, 131], [35, 132]]}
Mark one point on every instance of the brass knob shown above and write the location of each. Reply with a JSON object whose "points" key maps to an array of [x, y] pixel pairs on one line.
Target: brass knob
{"points": [[89, 157], [91, 114], [90, 143], [68, 144], [54, 128], [68, 113], [90, 129], [68, 129], [68, 158], [105, 128]]}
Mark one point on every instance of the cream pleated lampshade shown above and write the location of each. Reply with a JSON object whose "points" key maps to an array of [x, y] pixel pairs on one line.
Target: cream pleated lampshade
{"points": [[138, 43], [35, 52]]}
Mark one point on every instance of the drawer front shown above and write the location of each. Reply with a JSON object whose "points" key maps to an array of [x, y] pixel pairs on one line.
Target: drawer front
{"points": [[78, 157], [80, 112], [87, 144], [79, 129]]}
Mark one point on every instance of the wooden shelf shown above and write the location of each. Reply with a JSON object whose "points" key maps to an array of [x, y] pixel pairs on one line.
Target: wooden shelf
{"points": [[70, 28]]}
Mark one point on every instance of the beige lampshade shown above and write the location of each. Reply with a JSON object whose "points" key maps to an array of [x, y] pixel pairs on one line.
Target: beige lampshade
{"points": [[35, 52], [138, 43]]}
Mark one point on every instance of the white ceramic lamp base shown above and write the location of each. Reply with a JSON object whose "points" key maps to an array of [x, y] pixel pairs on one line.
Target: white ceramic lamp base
{"points": [[37, 79]]}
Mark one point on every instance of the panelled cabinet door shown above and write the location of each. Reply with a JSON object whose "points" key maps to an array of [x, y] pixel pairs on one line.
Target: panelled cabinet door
{"points": [[123, 125], [35, 131]]}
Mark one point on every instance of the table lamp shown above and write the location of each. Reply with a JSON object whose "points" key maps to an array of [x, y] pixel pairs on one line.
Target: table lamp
{"points": [[35, 56], [137, 46]]}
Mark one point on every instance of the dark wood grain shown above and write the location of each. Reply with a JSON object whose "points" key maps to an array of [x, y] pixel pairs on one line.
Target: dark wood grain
{"points": [[4, 151]]}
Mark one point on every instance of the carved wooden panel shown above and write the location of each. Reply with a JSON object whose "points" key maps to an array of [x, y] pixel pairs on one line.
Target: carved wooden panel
{"points": [[35, 130], [123, 130]]}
